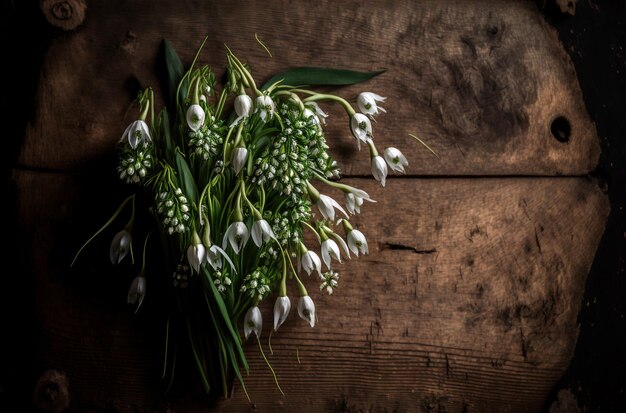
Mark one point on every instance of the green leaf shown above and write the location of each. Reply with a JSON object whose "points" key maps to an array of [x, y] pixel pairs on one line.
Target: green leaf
{"points": [[174, 69], [222, 307], [186, 178], [168, 144], [317, 76]]}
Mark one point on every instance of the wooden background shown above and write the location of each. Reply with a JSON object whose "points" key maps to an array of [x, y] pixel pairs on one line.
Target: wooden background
{"points": [[469, 298]]}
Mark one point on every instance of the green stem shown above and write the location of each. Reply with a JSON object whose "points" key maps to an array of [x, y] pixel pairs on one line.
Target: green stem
{"points": [[323, 96], [106, 224]]}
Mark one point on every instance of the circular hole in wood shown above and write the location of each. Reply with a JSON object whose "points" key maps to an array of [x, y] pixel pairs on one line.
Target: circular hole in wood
{"points": [[561, 129]]}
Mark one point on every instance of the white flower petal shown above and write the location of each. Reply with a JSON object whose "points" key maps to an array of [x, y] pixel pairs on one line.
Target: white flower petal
{"points": [[253, 322], [311, 262], [120, 245], [282, 306], [379, 169], [214, 257], [357, 242], [330, 250], [137, 291], [196, 254], [240, 155], [243, 106], [306, 310], [361, 127], [395, 159], [343, 245], [195, 117]]}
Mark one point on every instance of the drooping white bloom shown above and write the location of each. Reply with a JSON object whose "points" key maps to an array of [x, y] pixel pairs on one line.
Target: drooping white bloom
{"points": [[342, 243], [243, 106], [367, 102], [319, 113], [137, 291], [327, 206], [361, 128], [261, 232], [253, 322], [330, 249], [308, 113], [395, 159], [282, 306], [379, 169], [311, 262], [196, 254], [265, 105], [120, 245], [357, 242], [136, 133], [214, 257], [195, 117], [237, 235], [240, 155], [353, 203], [354, 199], [306, 309]]}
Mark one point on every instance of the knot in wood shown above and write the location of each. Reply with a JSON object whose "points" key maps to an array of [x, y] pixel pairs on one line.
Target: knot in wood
{"points": [[64, 14], [51, 392], [62, 10]]}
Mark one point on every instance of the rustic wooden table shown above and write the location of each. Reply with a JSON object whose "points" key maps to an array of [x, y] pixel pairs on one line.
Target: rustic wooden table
{"points": [[468, 301]]}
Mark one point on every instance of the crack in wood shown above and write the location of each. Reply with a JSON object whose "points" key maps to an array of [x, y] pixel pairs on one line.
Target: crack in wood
{"points": [[402, 247]]}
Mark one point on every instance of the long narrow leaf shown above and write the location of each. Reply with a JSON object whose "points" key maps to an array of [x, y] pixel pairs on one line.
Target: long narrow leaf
{"points": [[300, 76], [167, 135], [222, 307], [175, 71], [186, 178]]}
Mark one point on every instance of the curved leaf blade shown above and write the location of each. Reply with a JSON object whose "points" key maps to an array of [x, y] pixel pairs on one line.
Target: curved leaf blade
{"points": [[186, 178], [320, 76]]}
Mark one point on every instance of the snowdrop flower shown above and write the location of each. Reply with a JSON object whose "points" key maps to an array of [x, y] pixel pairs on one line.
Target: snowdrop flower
{"points": [[214, 257], [395, 159], [237, 235], [282, 306], [195, 117], [361, 128], [137, 291], [120, 246], [367, 103], [327, 206], [265, 105], [353, 203], [253, 322], [261, 232], [330, 249], [308, 113], [354, 199], [136, 133], [357, 242], [240, 155], [196, 253], [311, 262], [317, 111], [306, 310], [243, 106], [379, 169]]}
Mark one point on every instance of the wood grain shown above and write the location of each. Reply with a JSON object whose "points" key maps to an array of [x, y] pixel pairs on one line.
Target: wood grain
{"points": [[480, 81], [467, 302]]}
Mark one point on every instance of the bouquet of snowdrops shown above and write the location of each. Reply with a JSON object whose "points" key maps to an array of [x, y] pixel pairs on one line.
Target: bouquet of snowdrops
{"points": [[230, 193]]}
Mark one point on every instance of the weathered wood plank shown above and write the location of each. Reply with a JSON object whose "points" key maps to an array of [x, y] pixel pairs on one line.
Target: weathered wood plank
{"points": [[467, 302], [480, 81]]}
